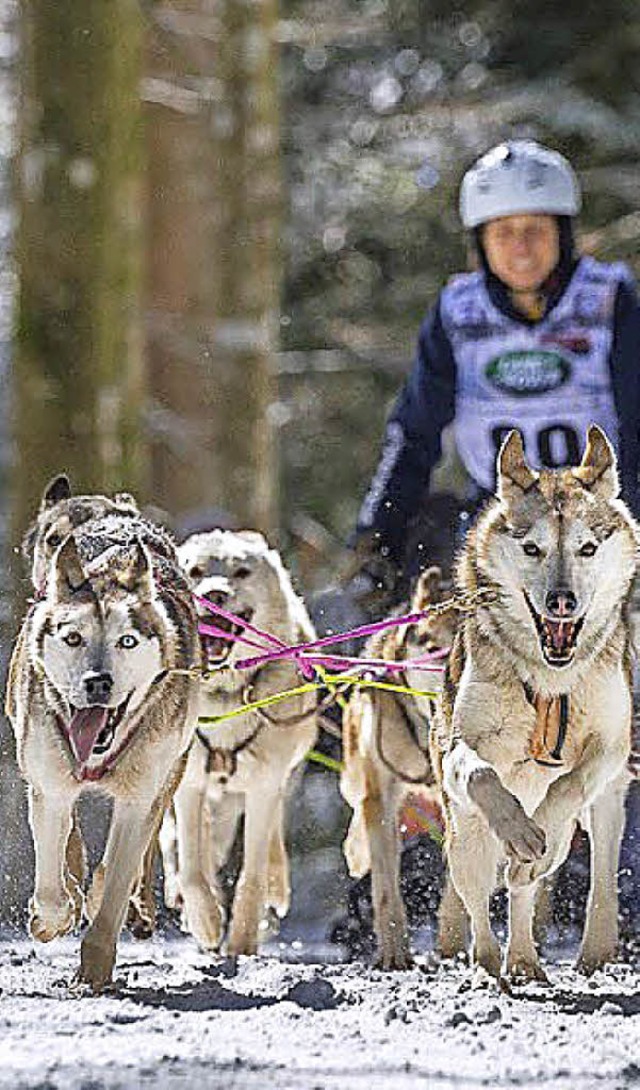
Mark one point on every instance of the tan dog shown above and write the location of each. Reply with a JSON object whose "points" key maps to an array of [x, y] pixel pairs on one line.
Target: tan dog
{"points": [[386, 755], [243, 764], [101, 699], [536, 710]]}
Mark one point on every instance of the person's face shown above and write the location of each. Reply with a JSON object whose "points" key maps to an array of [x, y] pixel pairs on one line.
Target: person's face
{"points": [[522, 250]]}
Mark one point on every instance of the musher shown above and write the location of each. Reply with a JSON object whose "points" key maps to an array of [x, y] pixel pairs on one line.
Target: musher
{"points": [[538, 338]]}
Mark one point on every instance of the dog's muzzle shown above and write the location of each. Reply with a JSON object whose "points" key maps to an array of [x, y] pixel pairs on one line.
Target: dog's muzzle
{"points": [[558, 635], [90, 731], [216, 649]]}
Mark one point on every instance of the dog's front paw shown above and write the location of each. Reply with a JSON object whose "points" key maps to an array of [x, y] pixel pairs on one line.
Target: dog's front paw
{"points": [[592, 958], [523, 872], [96, 963], [50, 921], [203, 917], [522, 837], [522, 969]]}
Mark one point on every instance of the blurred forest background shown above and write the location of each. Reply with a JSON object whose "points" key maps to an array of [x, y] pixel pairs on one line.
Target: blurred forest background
{"points": [[221, 222]]}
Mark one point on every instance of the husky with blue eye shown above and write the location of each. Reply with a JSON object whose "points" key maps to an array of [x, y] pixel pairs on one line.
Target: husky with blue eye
{"points": [[102, 697]]}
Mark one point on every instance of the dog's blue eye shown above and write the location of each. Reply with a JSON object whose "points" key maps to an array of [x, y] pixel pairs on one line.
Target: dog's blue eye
{"points": [[128, 642], [73, 639], [531, 549], [588, 549]]}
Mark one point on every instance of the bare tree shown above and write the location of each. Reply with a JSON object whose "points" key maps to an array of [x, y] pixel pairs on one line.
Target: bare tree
{"points": [[214, 207]]}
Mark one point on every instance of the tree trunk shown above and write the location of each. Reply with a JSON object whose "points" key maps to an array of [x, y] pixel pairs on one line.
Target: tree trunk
{"points": [[78, 363], [215, 269]]}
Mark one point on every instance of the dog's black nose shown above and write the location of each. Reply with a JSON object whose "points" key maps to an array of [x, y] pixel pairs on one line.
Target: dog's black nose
{"points": [[218, 597], [98, 688], [561, 602]]}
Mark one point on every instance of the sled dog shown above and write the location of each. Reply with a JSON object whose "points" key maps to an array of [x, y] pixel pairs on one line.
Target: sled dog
{"points": [[242, 764], [386, 756], [534, 733], [102, 697]]}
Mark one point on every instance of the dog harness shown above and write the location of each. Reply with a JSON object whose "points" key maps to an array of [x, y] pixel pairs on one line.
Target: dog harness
{"points": [[550, 731]]}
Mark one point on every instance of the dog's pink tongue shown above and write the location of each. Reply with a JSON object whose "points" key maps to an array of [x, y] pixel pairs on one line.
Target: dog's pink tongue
{"points": [[84, 728]]}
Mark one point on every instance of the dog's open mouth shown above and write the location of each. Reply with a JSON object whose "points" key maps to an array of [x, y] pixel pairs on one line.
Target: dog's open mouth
{"points": [[558, 635], [91, 730], [216, 649]]}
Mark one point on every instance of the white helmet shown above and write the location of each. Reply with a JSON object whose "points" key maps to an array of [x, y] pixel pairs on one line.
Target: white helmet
{"points": [[517, 177]]}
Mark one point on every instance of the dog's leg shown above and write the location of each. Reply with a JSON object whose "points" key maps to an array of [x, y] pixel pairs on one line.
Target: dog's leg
{"points": [[523, 962], [132, 827], [95, 892], [473, 860], [141, 913], [475, 786], [168, 841], [52, 909], [453, 922], [605, 824], [278, 878], [251, 891], [76, 867], [379, 811], [203, 909], [568, 796], [220, 825]]}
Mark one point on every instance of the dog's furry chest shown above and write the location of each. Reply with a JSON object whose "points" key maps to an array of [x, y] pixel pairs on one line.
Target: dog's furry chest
{"points": [[498, 721]]}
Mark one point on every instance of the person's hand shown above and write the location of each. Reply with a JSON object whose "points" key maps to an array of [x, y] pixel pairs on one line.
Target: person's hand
{"points": [[371, 577]]}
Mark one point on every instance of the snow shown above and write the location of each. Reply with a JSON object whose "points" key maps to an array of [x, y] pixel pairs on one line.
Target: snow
{"points": [[180, 1018]]}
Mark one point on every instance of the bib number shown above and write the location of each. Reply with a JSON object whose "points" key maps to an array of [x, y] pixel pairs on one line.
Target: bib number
{"points": [[557, 445]]}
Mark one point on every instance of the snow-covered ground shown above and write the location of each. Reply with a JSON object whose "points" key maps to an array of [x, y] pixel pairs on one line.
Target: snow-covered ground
{"points": [[181, 1019]]}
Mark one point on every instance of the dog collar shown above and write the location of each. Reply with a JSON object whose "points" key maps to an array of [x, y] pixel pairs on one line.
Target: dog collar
{"points": [[550, 731]]}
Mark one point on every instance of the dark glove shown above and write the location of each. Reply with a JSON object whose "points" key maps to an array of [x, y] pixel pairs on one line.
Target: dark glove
{"points": [[371, 577]]}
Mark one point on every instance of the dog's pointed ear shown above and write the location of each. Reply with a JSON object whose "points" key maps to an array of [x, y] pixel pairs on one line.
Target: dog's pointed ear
{"points": [[597, 470], [57, 489], [427, 589], [514, 476], [136, 575], [69, 577]]}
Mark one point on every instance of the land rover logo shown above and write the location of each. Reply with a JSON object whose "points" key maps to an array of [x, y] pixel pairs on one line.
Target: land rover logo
{"points": [[525, 373]]}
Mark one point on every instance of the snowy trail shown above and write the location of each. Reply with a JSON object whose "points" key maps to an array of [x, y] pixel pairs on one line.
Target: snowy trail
{"points": [[181, 1019]]}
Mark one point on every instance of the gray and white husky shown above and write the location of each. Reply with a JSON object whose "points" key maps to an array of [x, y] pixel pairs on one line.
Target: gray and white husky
{"points": [[242, 764], [535, 726], [101, 697]]}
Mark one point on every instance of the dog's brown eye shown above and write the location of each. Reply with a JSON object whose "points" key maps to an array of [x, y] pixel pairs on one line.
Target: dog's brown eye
{"points": [[196, 572], [128, 641], [531, 549], [73, 638], [241, 573], [588, 549], [54, 540]]}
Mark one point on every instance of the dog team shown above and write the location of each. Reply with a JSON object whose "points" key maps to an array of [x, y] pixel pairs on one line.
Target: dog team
{"points": [[123, 681]]}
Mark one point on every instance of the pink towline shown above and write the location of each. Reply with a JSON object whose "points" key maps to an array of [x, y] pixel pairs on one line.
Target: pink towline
{"points": [[267, 637], [341, 662], [222, 634], [300, 652], [228, 616]]}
